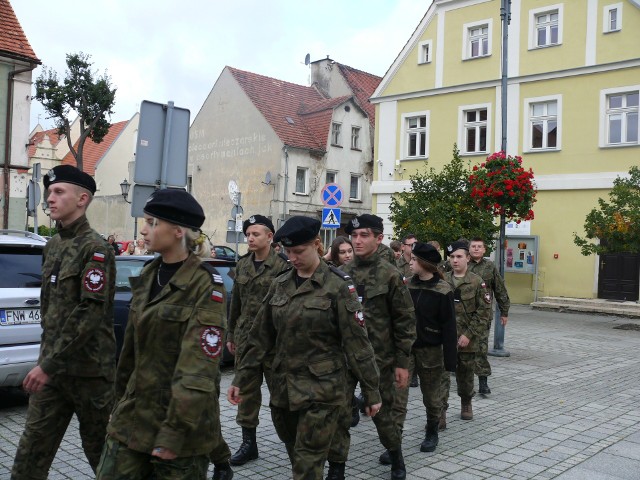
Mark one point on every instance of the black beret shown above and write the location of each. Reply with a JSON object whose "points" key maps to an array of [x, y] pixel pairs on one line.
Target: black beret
{"points": [[69, 174], [366, 220], [175, 206], [297, 231], [426, 252], [452, 247], [257, 220]]}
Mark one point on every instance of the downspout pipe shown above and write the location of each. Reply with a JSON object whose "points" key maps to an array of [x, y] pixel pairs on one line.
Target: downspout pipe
{"points": [[6, 167], [286, 182]]}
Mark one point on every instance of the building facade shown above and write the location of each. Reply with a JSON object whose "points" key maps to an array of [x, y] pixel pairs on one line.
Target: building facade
{"points": [[572, 96]]}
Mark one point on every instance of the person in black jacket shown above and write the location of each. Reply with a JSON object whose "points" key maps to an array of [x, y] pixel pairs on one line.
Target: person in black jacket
{"points": [[434, 350]]}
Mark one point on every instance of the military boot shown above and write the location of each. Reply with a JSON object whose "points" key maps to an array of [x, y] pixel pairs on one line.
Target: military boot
{"points": [[360, 400], [336, 471], [414, 380], [222, 471], [466, 411], [355, 412], [430, 441], [398, 470], [442, 423], [385, 459], [483, 386], [248, 448]]}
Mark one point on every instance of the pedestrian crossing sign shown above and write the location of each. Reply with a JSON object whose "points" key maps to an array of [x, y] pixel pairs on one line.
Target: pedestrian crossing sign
{"points": [[330, 218]]}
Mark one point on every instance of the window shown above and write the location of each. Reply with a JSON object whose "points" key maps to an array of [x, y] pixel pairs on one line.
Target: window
{"points": [[335, 134], [354, 187], [477, 39], [424, 52], [545, 26], [302, 175], [622, 118], [355, 138], [612, 18], [416, 136], [331, 177], [543, 125], [474, 130]]}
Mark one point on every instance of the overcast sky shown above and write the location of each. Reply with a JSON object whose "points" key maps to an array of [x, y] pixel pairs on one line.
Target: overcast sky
{"points": [[162, 50]]}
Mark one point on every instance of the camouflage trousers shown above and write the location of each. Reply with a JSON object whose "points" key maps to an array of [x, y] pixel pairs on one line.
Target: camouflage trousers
{"points": [[428, 362], [249, 408], [483, 368], [464, 378], [121, 463], [307, 437], [221, 453], [48, 416], [389, 421]]}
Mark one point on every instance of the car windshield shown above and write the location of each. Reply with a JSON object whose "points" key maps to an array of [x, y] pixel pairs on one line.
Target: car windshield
{"points": [[126, 269], [21, 267]]}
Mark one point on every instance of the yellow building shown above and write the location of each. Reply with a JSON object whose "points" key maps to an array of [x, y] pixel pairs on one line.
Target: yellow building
{"points": [[573, 89]]}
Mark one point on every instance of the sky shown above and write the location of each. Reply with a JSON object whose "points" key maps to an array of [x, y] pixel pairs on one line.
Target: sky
{"points": [[161, 50]]}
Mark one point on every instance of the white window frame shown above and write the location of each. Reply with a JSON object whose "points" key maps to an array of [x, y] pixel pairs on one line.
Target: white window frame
{"points": [[606, 20], [355, 135], [357, 176], [426, 45], [404, 139], [604, 123], [336, 134], [331, 172], [533, 31], [526, 134], [462, 130], [466, 37], [306, 181]]}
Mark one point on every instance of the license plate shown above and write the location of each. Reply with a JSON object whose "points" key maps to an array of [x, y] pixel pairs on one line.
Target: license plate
{"points": [[21, 316]]}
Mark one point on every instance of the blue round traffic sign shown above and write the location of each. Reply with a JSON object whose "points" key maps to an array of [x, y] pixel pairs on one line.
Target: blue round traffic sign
{"points": [[332, 195]]}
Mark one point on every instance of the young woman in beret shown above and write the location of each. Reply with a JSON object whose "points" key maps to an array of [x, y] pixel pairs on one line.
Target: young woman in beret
{"points": [[166, 421]]}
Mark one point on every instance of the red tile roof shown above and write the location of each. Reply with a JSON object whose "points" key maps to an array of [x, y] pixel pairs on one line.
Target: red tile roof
{"points": [[38, 137], [13, 41], [93, 152], [362, 85]]}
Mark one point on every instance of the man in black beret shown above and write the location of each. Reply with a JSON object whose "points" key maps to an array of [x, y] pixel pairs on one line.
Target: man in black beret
{"points": [[76, 366], [391, 327], [254, 274]]}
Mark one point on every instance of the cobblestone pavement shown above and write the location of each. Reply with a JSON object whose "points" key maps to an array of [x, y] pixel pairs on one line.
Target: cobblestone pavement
{"points": [[564, 405]]}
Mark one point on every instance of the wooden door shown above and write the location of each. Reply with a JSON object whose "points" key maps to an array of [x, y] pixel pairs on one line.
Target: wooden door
{"points": [[619, 277]]}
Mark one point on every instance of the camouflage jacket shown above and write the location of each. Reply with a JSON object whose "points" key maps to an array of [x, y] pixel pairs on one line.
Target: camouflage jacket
{"points": [[494, 281], [78, 285], [386, 253], [473, 307], [403, 266], [249, 289], [435, 317], [315, 330], [166, 392], [388, 309]]}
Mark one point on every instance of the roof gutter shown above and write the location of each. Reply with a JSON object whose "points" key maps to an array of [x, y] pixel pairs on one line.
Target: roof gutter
{"points": [[6, 167]]}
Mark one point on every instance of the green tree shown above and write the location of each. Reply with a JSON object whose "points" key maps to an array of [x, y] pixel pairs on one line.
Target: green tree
{"points": [[90, 96], [439, 206], [615, 224]]}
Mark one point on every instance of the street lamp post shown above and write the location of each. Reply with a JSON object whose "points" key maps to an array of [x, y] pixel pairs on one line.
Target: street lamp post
{"points": [[124, 187]]}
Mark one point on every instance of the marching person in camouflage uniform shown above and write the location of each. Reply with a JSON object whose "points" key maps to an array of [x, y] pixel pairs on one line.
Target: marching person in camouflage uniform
{"points": [[391, 327], [76, 366], [434, 351], [472, 302], [311, 318], [495, 283], [403, 262], [166, 421], [254, 274]]}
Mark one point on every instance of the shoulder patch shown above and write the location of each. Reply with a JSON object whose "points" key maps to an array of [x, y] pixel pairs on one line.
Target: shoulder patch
{"points": [[216, 278], [98, 257], [339, 272], [487, 298]]}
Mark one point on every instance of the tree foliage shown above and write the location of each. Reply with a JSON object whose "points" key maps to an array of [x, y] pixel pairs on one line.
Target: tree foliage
{"points": [[90, 96], [615, 224], [439, 206]]}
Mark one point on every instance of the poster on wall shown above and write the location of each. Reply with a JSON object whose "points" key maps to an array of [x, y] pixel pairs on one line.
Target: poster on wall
{"points": [[522, 228], [521, 254]]}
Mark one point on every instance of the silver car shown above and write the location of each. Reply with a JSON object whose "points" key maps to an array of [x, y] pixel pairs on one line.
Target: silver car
{"points": [[20, 280]]}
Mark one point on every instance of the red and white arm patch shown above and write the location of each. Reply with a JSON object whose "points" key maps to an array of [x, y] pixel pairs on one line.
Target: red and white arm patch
{"points": [[98, 257], [487, 297], [359, 316], [211, 341], [405, 280], [352, 289], [94, 280], [217, 296]]}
